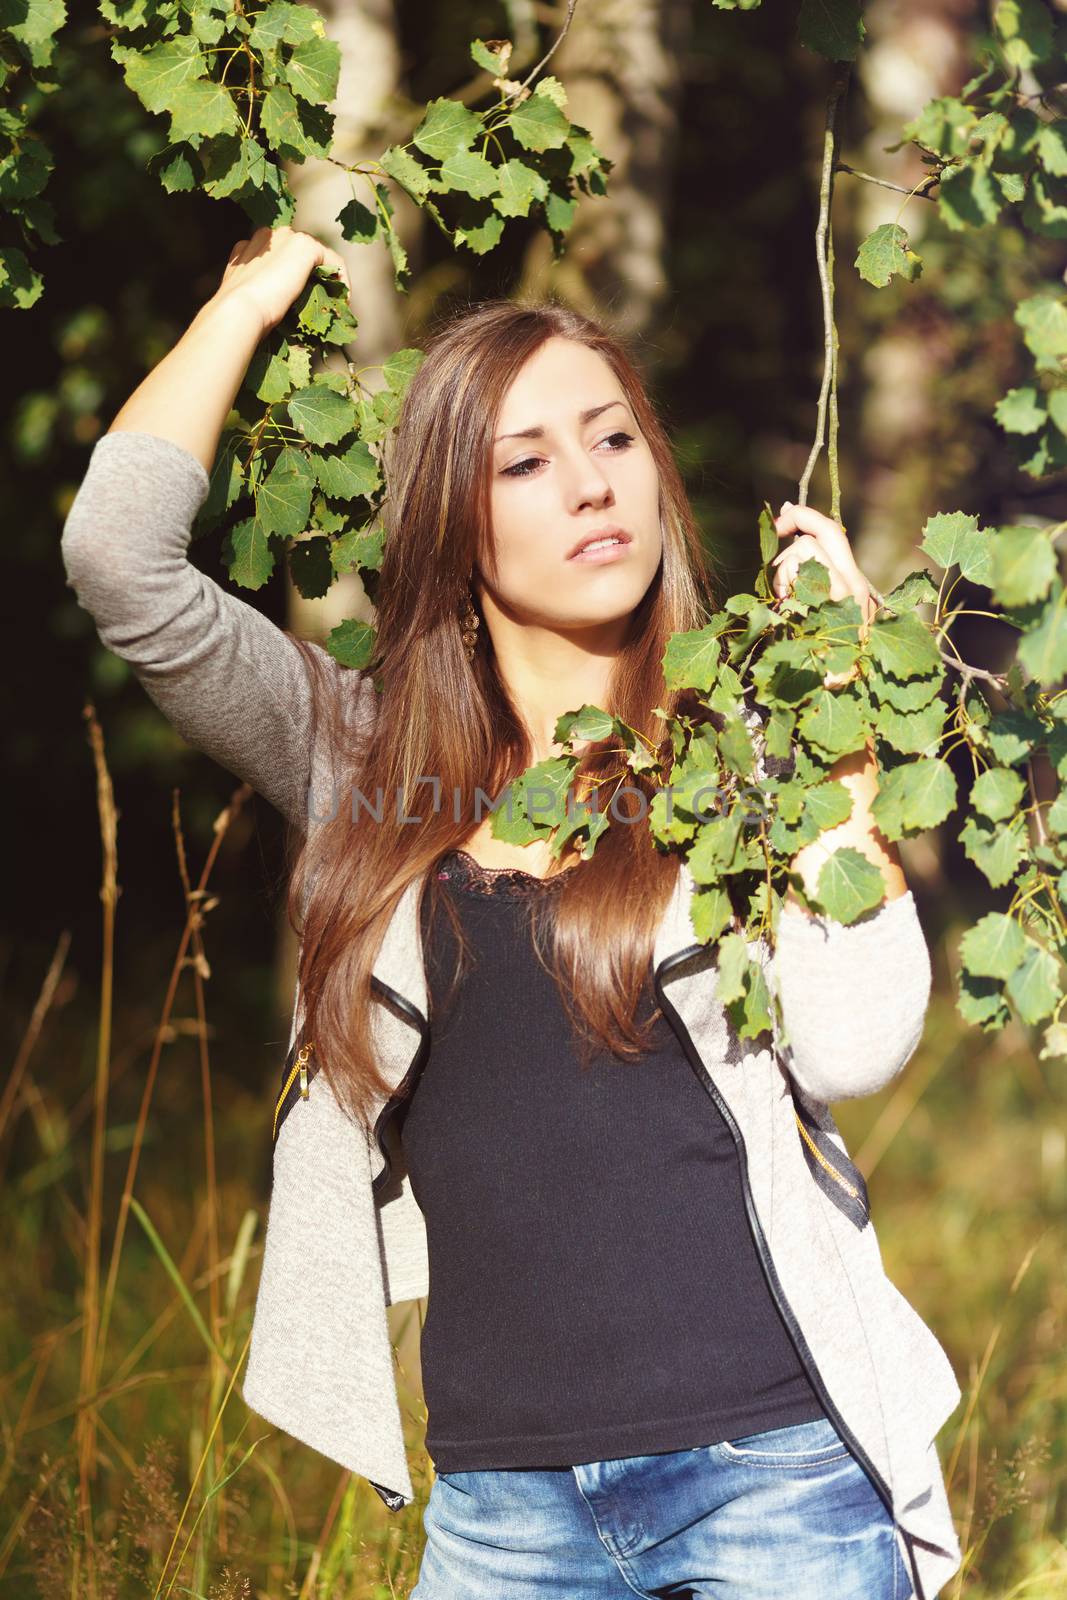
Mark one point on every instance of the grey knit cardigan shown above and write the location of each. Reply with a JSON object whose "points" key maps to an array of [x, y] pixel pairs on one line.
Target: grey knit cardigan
{"points": [[345, 1237]]}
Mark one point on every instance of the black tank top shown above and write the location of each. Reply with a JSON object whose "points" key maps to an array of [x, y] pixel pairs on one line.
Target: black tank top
{"points": [[595, 1290]]}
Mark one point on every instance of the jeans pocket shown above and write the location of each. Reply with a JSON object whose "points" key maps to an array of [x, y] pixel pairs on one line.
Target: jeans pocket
{"points": [[804, 1444]]}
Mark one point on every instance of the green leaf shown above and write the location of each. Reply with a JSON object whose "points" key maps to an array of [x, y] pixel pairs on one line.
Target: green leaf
{"points": [[997, 852], [912, 732], [1035, 986], [410, 174], [967, 196], [910, 696], [736, 747], [283, 504], [1045, 208], [994, 947], [731, 967], [311, 567], [1019, 411], [1057, 408], [886, 252], [478, 227], [915, 590], [1043, 647], [248, 554], [1052, 148], [786, 671], [916, 795], [833, 721], [954, 538], [284, 22], [283, 129], [359, 547], [1025, 31], [446, 129], [321, 414], [519, 187], [710, 912], [492, 56], [812, 583], [1024, 565], [358, 224], [1043, 319], [352, 643], [349, 475], [155, 75], [718, 847], [996, 793], [980, 1002], [312, 71], [401, 367], [694, 659], [849, 884], [943, 126], [177, 169], [752, 1015], [1056, 815], [832, 28], [34, 23], [201, 109], [25, 170], [232, 165], [903, 646], [538, 124], [470, 172], [269, 376], [826, 805]]}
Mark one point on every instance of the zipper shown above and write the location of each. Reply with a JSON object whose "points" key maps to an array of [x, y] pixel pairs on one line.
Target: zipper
{"points": [[763, 1249], [281, 1098], [302, 1068], [821, 1159], [421, 1050]]}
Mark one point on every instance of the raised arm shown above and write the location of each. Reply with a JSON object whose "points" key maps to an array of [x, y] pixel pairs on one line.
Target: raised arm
{"points": [[231, 682]]}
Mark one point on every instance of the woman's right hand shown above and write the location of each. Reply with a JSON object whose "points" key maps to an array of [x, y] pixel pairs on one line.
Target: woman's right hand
{"points": [[271, 268]]}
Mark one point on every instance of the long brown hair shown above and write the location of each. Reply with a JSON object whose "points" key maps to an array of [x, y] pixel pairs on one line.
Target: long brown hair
{"points": [[440, 714]]}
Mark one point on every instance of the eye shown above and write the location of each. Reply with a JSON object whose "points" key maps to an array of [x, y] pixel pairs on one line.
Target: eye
{"points": [[518, 469]]}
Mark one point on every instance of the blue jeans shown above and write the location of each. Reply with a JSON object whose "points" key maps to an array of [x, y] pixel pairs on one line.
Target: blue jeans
{"points": [[787, 1514]]}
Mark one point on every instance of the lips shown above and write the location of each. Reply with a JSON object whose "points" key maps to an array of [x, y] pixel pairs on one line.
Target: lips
{"points": [[608, 532]]}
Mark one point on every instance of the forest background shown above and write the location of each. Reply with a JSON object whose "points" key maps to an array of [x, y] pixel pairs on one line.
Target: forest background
{"points": [[702, 253]]}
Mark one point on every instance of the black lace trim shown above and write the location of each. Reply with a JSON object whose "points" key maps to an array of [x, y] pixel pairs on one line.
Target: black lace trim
{"points": [[463, 872]]}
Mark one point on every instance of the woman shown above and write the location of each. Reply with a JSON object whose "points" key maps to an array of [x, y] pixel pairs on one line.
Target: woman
{"points": [[662, 1355]]}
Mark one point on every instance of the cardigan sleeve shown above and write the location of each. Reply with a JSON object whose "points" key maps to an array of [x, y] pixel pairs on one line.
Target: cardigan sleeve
{"points": [[231, 682], [853, 996]]}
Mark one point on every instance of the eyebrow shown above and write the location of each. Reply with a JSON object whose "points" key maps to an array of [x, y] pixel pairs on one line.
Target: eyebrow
{"points": [[583, 417]]}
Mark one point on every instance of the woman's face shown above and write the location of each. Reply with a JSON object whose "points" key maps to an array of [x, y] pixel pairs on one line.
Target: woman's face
{"points": [[579, 473]]}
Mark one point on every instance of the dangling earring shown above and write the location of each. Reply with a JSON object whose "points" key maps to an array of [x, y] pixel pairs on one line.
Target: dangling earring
{"points": [[469, 626]]}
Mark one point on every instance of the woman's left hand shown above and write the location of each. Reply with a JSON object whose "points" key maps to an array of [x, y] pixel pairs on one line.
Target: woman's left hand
{"points": [[820, 538]]}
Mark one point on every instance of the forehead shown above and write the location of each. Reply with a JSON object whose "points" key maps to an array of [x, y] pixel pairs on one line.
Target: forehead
{"points": [[558, 381]]}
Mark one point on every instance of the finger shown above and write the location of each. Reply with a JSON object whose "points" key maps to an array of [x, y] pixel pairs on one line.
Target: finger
{"points": [[804, 543], [825, 529], [331, 258]]}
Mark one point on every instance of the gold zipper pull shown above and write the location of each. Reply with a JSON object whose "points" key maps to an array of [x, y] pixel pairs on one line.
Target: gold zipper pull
{"points": [[302, 1063]]}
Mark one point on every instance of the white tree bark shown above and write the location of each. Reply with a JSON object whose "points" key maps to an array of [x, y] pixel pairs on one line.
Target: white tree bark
{"points": [[620, 64]]}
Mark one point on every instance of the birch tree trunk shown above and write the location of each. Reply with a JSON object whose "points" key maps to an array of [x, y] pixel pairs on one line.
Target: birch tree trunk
{"points": [[365, 110], [917, 49], [620, 64]]}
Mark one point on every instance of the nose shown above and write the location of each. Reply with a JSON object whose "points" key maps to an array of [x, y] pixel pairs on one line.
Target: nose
{"points": [[586, 483]]}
